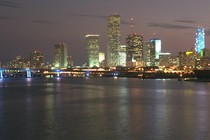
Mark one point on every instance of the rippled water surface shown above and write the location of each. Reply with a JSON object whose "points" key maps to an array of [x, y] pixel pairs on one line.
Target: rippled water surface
{"points": [[104, 109]]}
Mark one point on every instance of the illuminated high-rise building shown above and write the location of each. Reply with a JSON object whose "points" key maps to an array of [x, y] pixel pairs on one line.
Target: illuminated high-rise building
{"points": [[187, 60], [92, 50], [205, 59], [146, 53], [36, 59], [19, 62], [134, 50], [122, 55], [60, 54], [113, 40], [155, 50], [70, 61], [200, 40], [164, 59], [102, 59]]}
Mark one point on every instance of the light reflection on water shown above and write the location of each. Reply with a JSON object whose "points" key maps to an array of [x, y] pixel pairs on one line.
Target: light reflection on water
{"points": [[104, 108]]}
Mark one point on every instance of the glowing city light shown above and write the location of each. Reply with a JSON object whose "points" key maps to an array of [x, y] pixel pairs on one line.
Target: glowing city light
{"points": [[200, 39]]}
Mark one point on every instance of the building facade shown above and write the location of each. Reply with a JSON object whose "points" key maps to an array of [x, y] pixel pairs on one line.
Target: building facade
{"points": [[19, 62], [199, 40], [205, 59], [92, 48], [122, 55], [36, 59], [155, 50], [134, 50], [146, 53], [60, 56], [164, 59], [102, 59], [113, 40], [70, 61], [188, 60]]}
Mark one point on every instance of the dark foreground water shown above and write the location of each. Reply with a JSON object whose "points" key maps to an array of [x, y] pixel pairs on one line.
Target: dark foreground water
{"points": [[104, 109]]}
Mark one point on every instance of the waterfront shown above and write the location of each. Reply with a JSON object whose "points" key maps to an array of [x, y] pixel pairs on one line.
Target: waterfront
{"points": [[103, 108]]}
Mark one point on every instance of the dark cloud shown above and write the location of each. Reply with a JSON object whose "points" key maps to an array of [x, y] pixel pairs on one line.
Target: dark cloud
{"points": [[10, 4], [123, 22], [169, 26], [92, 16], [5, 18], [126, 22], [184, 21], [44, 22]]}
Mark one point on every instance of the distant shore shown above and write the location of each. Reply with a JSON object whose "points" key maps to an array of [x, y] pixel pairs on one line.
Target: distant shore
{"points": [[141, 75]]}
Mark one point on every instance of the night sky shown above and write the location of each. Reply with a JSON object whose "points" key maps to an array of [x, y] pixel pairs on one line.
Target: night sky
{"points": [[29, 25]]}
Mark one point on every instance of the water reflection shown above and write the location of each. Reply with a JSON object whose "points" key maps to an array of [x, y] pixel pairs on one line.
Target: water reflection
{"points": [[2, 111], [202, 114], [52, 127], [123, 121], [28, 81], [104, 108]]}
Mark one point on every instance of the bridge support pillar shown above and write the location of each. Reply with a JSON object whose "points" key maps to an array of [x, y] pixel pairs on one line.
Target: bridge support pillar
{"points": [[28, 71], [58, 73], [1, 73]]}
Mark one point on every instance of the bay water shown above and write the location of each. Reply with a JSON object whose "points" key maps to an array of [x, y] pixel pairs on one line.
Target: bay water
{"points": [[104, 109]]}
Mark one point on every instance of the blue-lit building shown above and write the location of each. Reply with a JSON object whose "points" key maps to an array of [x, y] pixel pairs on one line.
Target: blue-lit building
{"points": [[155, 50], [200, 40]]}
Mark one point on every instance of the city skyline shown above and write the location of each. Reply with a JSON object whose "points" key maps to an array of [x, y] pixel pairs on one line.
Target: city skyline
{"points": [[38, 25]]}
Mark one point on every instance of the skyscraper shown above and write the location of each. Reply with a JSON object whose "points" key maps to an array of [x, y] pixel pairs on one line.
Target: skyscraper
{"points": [[60, 54], [187, 60], [200, 40], [155, 50], [92, 50], [122, 55], [113, 40], [102, 59], [146, 53], [70, 61], [36, 59], [134, 50]]}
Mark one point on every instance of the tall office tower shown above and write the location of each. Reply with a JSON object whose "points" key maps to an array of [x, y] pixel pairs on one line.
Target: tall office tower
{"points": [[70, 61], [102, 59], [113, 41], [92, 50], [200, 40], [122, 55], [134, 50], [146, 53], [155, 50], [60, 54], [36, 59]]}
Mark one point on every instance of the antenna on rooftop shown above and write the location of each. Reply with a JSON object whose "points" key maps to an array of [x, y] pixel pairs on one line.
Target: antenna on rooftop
{"points": [[154, 35], [132, 26]]}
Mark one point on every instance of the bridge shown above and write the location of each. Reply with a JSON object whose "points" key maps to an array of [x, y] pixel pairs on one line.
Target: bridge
{"points": [[14, 72], [29, 73]]}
